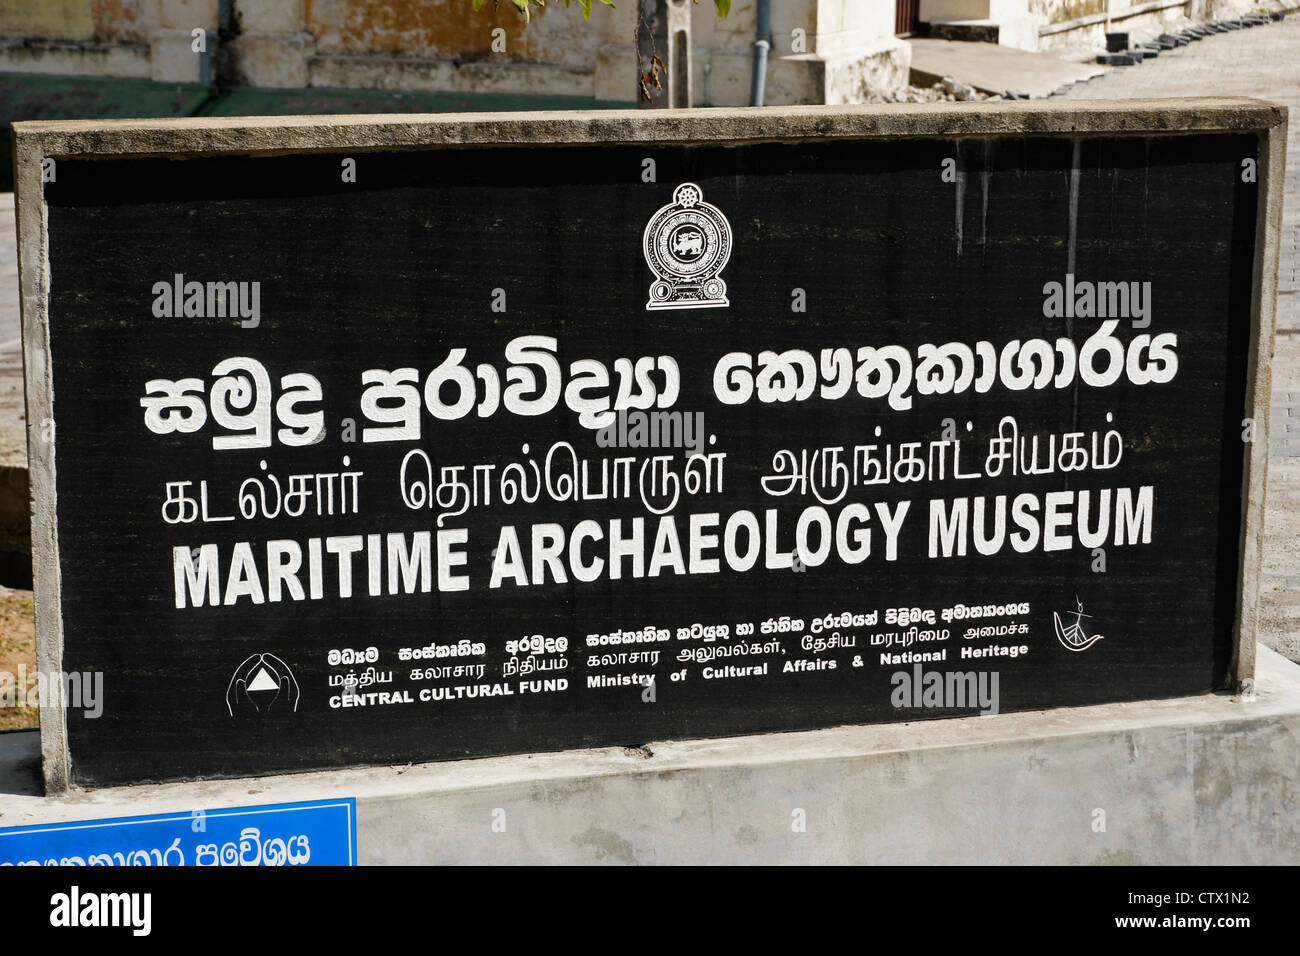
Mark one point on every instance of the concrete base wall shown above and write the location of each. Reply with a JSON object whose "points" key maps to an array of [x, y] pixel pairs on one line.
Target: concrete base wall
{"points": [[1075, 27], [126, 60], [841, 79], [1088, 38], [807, 78], [1201, 780], [464, 76], [1020, 33]]}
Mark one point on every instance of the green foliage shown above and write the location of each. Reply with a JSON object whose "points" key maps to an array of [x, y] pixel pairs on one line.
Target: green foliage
{"points": [[525, 6]]}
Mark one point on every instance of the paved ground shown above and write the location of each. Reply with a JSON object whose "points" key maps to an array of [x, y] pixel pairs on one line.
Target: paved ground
{"points": [[1265, 63], [991, 68]]}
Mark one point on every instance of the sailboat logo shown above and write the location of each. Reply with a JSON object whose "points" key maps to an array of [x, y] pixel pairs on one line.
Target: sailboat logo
{"points": [[1073, 637]]}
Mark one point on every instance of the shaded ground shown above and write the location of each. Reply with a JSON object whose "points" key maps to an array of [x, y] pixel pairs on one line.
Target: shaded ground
{"points": [[17, 649]]}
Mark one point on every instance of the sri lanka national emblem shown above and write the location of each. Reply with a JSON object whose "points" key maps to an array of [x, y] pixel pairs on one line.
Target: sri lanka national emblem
{"points": [[687, 245]]}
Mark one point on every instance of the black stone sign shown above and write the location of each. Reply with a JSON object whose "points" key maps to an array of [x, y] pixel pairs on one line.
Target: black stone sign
{"points": [[399, 455]]}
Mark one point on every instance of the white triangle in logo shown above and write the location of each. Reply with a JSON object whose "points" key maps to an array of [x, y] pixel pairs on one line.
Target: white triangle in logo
{"points": [[263, 681]]}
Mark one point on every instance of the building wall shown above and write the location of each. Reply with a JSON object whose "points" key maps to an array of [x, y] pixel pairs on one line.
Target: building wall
{"points": [[448, 28], [126, 21], [823, 50], [49, 19]]}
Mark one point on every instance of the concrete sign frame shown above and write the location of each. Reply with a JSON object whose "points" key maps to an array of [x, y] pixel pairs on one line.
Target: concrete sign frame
{"points": [[39, 142]]}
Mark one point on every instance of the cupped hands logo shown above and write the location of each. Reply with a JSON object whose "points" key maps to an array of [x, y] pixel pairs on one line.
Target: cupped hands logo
{"points": [[262, 681]]}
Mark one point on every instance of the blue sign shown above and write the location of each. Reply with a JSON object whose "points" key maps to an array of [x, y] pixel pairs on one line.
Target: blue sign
{"points": [[318, 833]]}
